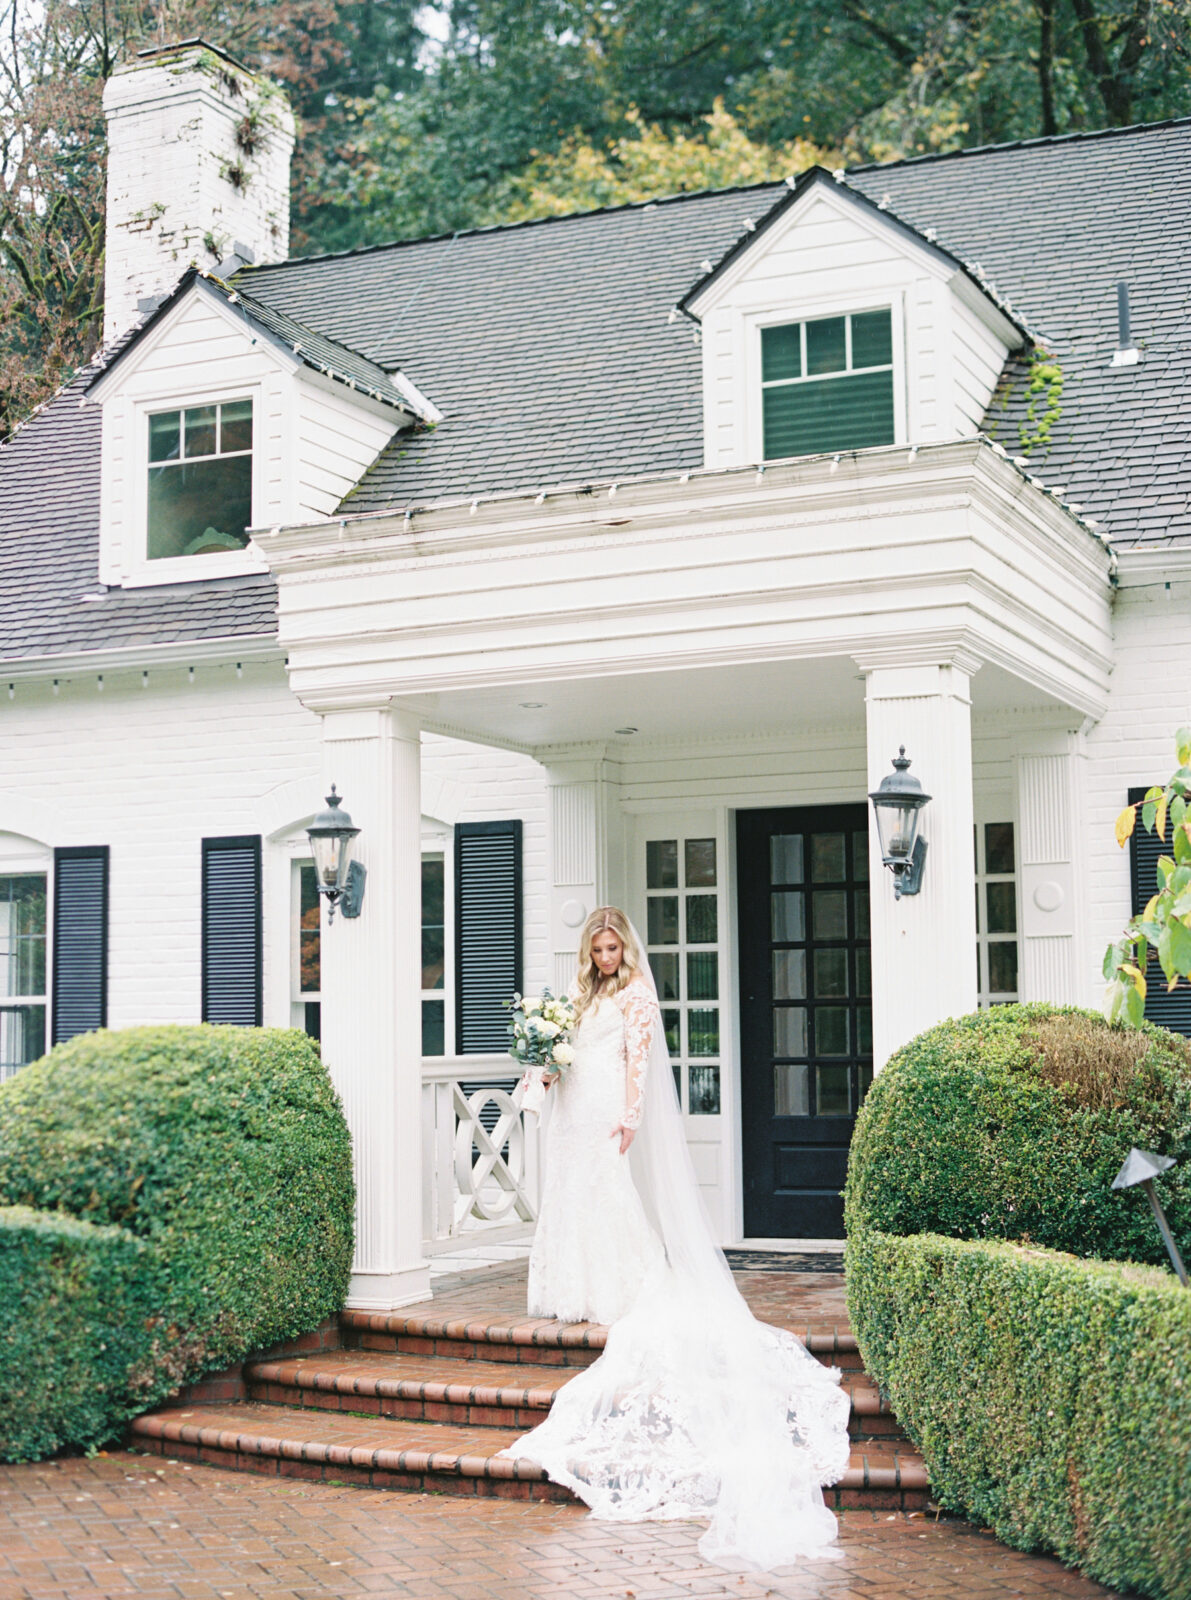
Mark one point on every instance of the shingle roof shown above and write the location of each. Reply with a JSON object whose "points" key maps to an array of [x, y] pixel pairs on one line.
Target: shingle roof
{"points": [[49, 555], [313, 349], [551, 350]]}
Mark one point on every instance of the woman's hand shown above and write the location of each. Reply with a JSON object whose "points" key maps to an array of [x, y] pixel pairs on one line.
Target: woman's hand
{"points": [[625, 1135]]}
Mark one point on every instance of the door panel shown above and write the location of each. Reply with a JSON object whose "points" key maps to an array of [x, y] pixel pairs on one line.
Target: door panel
{"points": [[805, 1011]]}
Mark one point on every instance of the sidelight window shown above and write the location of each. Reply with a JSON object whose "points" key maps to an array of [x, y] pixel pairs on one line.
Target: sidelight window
{"points": [[683, 935], [996, 914]]}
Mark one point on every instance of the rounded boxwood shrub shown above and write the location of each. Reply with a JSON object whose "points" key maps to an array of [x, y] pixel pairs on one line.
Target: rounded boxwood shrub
{"points": [[1012, 1123], [223, 1150], [77, 1311]]}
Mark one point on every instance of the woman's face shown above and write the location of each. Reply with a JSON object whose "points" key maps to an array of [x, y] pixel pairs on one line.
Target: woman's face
{"points": [[606, 952]]}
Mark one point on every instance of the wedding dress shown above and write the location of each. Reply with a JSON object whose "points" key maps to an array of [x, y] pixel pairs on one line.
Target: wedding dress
{"points": [[695, 1409]]}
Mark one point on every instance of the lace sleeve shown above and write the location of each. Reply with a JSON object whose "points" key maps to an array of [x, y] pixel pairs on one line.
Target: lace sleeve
{"points": [[640, 1019]]}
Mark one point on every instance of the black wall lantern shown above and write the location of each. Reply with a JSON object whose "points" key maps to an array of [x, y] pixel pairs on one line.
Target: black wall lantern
{"points": [[898, 801], [332, 839]]}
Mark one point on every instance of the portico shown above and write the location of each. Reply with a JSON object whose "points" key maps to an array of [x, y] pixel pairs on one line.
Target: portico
{"points": [[675, 651]]}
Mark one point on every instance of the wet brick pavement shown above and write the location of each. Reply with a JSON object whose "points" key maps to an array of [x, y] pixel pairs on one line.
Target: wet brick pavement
{"points": [[130, 1527]]}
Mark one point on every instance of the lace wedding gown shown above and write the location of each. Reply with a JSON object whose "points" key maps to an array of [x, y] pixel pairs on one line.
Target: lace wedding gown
{"points": [[695, 1409], [594, 1246]]}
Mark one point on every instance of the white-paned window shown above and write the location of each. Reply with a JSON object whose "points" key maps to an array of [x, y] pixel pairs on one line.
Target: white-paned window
{"points": [[22, 970], [199, 479], [827, 384], [996, 913], [306, 951], [435, 1021], [683, 932]]}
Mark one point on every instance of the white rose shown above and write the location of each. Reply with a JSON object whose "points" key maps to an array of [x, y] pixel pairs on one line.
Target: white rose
{"points": [[550, 1029], [530, 1002], [563, 1055]]}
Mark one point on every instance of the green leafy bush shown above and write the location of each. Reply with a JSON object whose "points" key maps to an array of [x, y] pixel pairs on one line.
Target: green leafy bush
{"points": [[76, 1315], [1011, 1124], [1050, 1397], [223, 1151]]}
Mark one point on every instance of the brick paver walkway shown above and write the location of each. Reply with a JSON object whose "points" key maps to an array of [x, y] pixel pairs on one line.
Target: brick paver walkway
{"points": [[130, 1527]]}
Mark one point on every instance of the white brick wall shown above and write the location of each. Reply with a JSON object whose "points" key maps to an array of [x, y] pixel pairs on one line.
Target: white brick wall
{"points": [[152, 771]]}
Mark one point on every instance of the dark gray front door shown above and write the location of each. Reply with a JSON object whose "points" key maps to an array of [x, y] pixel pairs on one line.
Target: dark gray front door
{"points": [[805, 1012]]}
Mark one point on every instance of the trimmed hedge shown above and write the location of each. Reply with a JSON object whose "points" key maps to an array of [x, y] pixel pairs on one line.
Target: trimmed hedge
{"points": [[1051, 1397], [76, 1302], [224, 1152], [1012, 1123]]}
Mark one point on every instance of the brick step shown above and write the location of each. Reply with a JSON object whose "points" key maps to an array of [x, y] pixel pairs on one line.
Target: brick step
{"points": [[538, 1341], [448, 1389], [392, 1453]]}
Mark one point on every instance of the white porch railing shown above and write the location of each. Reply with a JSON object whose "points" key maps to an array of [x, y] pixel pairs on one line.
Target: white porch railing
{"points": [[479, 1184]]}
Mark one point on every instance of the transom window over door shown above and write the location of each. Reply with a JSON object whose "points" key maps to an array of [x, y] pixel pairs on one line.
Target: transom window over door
{"points": [[827, 384], [200, 479]]}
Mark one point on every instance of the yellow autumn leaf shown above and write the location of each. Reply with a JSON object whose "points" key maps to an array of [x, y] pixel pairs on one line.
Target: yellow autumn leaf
{"points": [[1160, 819], [1151, 907], [1123, 827], [1139, 982]]}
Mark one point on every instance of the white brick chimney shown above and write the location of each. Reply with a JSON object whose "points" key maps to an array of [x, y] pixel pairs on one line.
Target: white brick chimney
{"points": [[198, 170]]}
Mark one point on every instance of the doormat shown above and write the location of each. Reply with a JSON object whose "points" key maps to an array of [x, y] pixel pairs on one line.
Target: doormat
{"points": [[786, 1260]]}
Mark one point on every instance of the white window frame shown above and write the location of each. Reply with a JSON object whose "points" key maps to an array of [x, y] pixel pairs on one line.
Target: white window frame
{"points": [[138, 570], [987, 997], [35, 865], [436, 842], [774, 316], [299, 997]]}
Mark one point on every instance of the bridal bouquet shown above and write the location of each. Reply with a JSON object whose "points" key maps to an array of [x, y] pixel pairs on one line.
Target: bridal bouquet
{"points": [[540, 1038]]}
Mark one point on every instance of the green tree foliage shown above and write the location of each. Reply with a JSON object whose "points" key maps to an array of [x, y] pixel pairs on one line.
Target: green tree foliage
{"points": [[424, 119], [1164, 924]]}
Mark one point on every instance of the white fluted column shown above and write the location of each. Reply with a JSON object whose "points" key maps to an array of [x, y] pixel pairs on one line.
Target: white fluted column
{"points": [[1048, 833], [371, 1006], [586, 855], [924, 945]]}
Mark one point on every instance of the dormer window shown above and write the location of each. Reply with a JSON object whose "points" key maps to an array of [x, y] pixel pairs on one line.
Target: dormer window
{"points": [[200, 479], [827, 384]]}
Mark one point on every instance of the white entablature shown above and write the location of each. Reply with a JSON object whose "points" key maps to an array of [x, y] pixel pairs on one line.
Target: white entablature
{"points": [[827, 253], [915, 553]]}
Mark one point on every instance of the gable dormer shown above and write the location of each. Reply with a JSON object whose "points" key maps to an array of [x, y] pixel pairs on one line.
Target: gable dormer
{"points": [[833, 326], [222, 414]]}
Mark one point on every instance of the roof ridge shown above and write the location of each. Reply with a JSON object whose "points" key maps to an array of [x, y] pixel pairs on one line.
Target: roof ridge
{"points": [[512, 227], [1023, 144], [704, 194]]}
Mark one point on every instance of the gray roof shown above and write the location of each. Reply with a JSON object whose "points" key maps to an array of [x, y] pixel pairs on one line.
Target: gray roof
{"points": [[551, 349]]}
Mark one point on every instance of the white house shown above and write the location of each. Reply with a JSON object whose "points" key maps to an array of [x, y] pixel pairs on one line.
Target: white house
{"points": [[606, 558]]}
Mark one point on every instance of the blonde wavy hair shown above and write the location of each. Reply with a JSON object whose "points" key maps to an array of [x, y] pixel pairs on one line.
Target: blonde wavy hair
{"points": [[591, 984]]}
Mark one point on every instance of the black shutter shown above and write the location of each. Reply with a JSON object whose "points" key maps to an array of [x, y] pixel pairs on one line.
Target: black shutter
{"points": [[487, 933], [232, 988], [1167, 1010], [80, 954]]}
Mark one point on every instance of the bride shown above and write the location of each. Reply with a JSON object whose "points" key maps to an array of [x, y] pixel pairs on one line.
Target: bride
{"points": [[694, 1409]]}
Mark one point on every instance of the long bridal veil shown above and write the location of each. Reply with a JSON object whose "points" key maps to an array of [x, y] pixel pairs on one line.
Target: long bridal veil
{"points": [[696, 1409]]}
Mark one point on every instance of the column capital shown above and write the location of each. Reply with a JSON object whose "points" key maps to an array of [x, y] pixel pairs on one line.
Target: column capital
{"points": [[922, 657], [380, 720]]}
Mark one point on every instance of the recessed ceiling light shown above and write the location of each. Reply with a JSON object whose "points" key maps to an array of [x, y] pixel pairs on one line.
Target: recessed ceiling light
{"points": [[533, 705], [625, 730]]}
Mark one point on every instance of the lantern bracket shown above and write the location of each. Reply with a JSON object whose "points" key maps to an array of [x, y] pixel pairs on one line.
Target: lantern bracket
{"points": [[909, 879], [352, 899]]}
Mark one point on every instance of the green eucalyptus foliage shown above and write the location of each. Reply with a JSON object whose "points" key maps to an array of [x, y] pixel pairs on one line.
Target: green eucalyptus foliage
{"points": [[1012, 1123], [1051, 1397], [78, 1327], [223, 1152]]}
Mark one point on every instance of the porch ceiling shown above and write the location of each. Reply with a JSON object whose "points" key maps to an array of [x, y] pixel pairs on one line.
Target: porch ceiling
{"points": [[754, 700]]}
